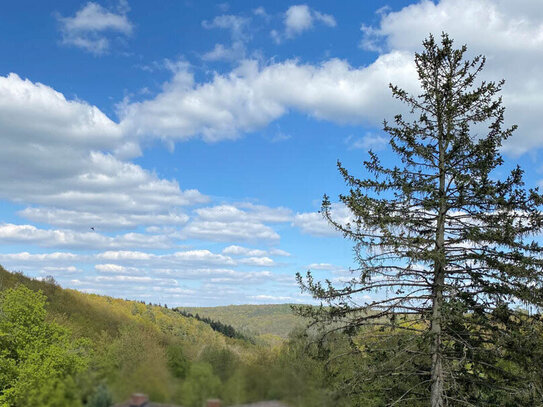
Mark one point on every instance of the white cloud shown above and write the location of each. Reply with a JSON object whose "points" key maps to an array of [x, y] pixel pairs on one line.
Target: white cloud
{"points": [[279, 252], [56, 270], [370, 141], [243, 251], [297, 20], [300, 18], [240, 222], [229, 231], [33, 112], [113, 268], [30, 234], [124, 255], [259, 213], [251, 96], [40, 257], [261, 12], [200, 256], [91, 27], [178, 259], [326, 19], [70, 219], [59, 265], [123, 279], [71, 174], [258, 261], [56, 263], [325, 267], [509, 33], [237, 26], [236, 250], [313, 223], [220, 52]]}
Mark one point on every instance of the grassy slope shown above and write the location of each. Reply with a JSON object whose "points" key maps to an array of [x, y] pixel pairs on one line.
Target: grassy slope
{"points": [[275, 320]]}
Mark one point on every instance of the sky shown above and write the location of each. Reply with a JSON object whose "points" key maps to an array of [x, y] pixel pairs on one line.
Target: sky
{"points": [[177, 152]]}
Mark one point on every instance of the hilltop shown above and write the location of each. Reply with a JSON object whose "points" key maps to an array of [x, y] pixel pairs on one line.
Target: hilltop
{"points": [[269, 319]]}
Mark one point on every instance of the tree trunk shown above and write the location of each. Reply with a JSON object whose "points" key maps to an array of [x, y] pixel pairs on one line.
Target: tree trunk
{"points": [[437, 374], [436, 397]]}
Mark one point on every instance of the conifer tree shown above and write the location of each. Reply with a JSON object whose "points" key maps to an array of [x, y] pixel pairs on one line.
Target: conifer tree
{"points": [[445, 247]]}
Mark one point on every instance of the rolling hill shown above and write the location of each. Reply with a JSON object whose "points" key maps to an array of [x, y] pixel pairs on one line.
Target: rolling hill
{"points": [[272, 319]]}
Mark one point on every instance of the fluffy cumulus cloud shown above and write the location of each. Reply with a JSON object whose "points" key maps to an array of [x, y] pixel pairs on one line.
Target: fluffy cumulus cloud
{"points": [[72, 219], [243, 251], [258, 261], [300, 18], [41, 262], [74, 176], [509, 33], [92, 27], [241, 222], [253, 95], [236, 24], [33, 112]]}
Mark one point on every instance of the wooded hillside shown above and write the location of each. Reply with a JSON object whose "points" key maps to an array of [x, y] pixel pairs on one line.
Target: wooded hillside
{"points": [[102, 349], [271, 319]]}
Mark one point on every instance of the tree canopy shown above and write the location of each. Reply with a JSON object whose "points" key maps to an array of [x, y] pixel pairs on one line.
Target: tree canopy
{"points": [[38, 359]]}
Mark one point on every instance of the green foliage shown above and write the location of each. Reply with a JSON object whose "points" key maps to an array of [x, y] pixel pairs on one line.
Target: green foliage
{"points": [[225, 329], [177, 361], [200, 384], [137, 361], [223, 360], [234, 389], [102, 397], [301, 375], [274, 319], [39, 362]]}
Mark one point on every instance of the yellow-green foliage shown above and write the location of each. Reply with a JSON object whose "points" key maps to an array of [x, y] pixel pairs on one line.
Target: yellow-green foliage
{"points": [[136, 347], [92, 349], [273, 319], [201, 384], [38, 359]]}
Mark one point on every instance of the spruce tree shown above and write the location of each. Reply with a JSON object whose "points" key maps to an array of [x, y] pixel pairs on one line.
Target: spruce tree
{"points": [[447, 249]]}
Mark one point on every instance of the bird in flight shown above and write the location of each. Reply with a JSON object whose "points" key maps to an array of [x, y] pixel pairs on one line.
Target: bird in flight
{"points": [[92, 228]]}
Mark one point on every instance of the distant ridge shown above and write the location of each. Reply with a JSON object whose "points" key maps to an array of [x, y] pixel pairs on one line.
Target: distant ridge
{"points": [[267, 319]]}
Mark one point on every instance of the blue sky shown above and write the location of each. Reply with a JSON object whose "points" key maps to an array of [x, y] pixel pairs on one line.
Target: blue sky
{"points": [[197, 138]]}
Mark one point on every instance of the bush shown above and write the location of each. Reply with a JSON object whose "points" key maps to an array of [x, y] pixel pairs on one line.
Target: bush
{"points": [[101, 398]]}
